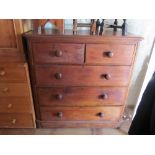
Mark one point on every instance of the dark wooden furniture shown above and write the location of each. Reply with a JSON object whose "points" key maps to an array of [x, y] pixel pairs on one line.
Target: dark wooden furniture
{"points": [[41, 22], [123, 27], [80, 80], [16, 105], [91, 25]]}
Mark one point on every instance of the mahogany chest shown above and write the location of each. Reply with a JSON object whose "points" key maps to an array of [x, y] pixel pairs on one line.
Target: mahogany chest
{"points": [[80, 80]]}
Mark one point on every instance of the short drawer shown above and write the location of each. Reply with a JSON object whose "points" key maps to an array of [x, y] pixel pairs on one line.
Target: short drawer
{"points": [[81, 113], [13, 89], [14, 120], [55, 75], [58, 53], [109, 54], [81, 96], [15, 104], [12, 73]]}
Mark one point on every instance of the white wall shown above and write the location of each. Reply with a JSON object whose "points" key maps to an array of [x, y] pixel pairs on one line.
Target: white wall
{"points": [[146, 29], [148, 76]]}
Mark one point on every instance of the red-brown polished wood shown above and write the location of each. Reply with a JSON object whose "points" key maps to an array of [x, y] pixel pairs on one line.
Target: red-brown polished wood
{"points": [[82, 75], [58, 53], [80, 113], [109, 54], [80, 88], [81, 96]]}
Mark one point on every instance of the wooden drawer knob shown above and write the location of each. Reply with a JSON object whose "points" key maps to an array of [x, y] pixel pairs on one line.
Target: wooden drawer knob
{"points": [[59, 114], [58, 53], [9, 105], [58, 75], [106, 76], [59, 96], [109, 54], [2, 73], [5, 90], [101, 114], [13, 121], [103, 96]]}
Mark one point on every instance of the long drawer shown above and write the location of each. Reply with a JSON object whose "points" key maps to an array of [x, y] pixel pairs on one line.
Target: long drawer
{"points": [[75, 124], [58, 53], [15, 105], [81, 96], [111, 113], [57, 75], [109, 54], [12, 73], [14, 120]]}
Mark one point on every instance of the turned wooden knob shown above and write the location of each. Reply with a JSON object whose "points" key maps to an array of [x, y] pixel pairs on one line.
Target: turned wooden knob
{"points": [[107, 76], [60, 114], [14, 121], [9, 105], [58, 75], [2, 73], [58, 53], [59, 96], [110, 54], [101, 114], [103, 96], [5, 90]]}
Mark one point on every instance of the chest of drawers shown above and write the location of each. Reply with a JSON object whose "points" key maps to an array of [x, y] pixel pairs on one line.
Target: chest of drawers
{"points": [[80, 80], [16, 109]]}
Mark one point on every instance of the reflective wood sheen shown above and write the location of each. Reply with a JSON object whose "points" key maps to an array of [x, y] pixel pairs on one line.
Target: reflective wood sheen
{"points": [[80, 80]]}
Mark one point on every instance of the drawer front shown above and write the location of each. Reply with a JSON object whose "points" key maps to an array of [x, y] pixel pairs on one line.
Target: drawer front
{"points": [[58, 53], [82, 113], [16, 120], [82, 75], [14, 90], [12, 73], [109, 54], [78, 124], [81, 96], [15, 104]]}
